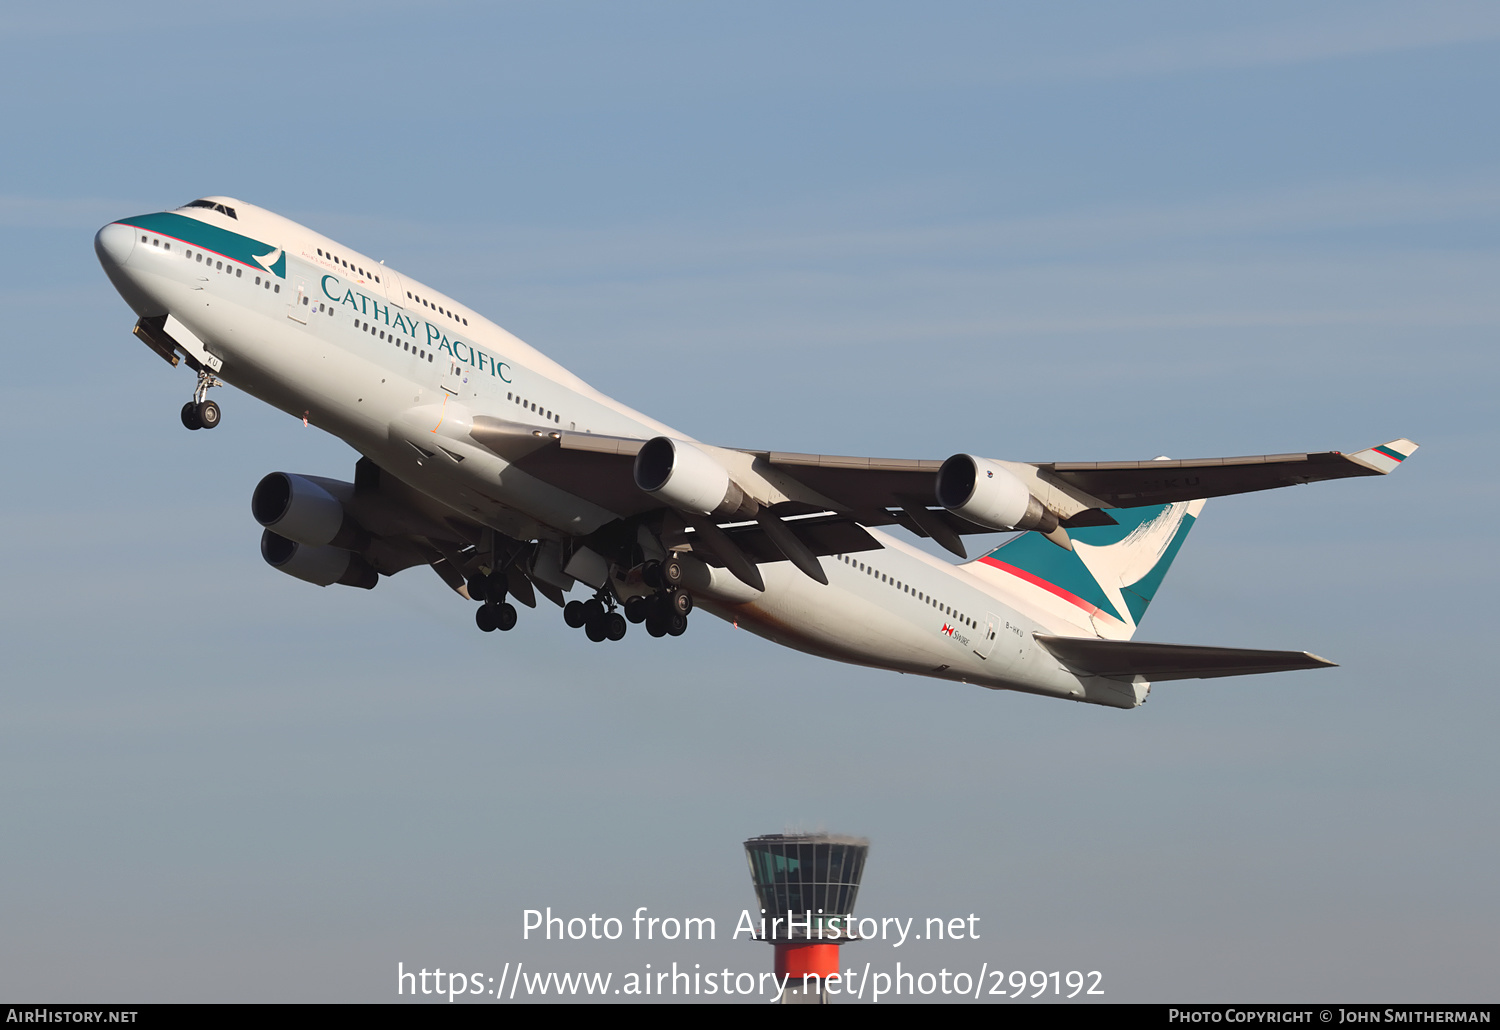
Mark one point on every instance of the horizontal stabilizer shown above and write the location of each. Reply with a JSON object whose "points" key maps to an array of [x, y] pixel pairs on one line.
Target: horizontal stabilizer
{"points": [[1123, 659]]}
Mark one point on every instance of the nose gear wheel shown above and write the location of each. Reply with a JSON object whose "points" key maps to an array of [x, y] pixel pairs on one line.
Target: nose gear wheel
{"points": [[200, 412]]}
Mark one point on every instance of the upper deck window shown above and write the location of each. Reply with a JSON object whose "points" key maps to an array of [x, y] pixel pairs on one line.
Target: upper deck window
{"points": [[221, 208]]}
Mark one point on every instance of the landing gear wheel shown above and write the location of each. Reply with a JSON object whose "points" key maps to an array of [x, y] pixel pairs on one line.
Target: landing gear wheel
{"points": [[484, 618], [651, 575], [594, 610], [595, 630], [476, 588], [575, 614], [635, 609], [656, 625], [676, 624], [682, 602], [505, 615], [614, 626], [672, 572], [201, 413]]}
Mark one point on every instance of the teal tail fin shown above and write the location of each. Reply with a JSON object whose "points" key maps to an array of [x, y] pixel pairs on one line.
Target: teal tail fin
{"points": [[1107, 581]]}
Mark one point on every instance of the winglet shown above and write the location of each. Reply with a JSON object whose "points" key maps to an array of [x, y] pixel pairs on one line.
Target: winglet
{"points": [[1385, 457]]}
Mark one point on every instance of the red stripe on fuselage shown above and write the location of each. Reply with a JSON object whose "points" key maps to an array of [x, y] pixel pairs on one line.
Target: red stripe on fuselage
{"points": [[1051, 588], [199, 246]]}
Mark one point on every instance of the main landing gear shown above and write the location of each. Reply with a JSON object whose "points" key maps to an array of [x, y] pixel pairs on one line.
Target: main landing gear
{"points": [[495, 612], [597, 617], [602, 617], [664, 611], [200, 412]]}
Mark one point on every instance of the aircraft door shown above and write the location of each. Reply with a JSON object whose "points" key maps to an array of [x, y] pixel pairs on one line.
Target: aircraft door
{"points": [[454, 379], [300, 302], [395, 292], [986, 641]]}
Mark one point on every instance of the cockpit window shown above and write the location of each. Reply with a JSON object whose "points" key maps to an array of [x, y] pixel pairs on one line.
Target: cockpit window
{"points": [[221, 208]]}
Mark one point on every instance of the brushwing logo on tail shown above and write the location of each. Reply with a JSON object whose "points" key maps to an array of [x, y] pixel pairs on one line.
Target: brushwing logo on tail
{"points": [[1113, 572]]}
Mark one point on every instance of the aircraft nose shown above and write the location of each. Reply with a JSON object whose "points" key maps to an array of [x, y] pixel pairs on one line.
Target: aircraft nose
{"points": [[113, 244]]}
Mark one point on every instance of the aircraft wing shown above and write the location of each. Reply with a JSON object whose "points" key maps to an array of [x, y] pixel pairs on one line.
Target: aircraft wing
{"points": [[888, 491], [881, 491], [872, 483], [1132, 484], [1124, 659]]}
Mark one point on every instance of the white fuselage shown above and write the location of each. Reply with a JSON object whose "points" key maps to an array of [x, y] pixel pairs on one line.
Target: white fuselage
{"points": [[365, 353]]}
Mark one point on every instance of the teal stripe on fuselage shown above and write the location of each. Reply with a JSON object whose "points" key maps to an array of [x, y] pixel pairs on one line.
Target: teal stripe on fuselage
{"points": [[210, 237]]}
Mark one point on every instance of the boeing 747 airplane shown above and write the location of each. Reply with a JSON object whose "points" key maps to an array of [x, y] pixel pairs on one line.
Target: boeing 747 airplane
{"points": [[511, 478]]}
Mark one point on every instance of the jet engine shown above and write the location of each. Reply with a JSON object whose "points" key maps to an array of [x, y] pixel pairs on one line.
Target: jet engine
{"points": [[687, 479], [321, 565], [990, 495], [303, 509]]}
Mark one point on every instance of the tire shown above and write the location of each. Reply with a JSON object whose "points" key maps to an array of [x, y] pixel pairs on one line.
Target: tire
{"points": [[682, 602], [505, 615], [209, 415], [476, 588], [595, 630], [672, 572], [651, 575], [484, 618], [635, 609], [190, 416], [614, 626], [593, 609], [575, 614], [656, 625], [676, 624]]}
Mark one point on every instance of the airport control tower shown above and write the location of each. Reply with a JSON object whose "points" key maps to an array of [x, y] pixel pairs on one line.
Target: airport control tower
{"points": [[807, 885]]}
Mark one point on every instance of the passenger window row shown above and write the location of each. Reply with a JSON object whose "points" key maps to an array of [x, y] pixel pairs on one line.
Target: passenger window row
{"points": [[346, 264], [216, 264], [328, 255], [533, 406], [907, 589], [440, 310], [381, 334]]}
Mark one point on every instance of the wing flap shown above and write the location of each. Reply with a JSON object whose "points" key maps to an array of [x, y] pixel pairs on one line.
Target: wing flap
{"points": [[821, 535], [1124, 659]]}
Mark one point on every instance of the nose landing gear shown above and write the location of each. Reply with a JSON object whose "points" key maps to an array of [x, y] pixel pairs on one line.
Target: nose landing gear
{"points": [[200, 412]]}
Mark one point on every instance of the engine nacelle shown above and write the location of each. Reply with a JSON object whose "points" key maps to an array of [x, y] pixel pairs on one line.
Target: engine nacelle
{"points": [[322, 566], [990, 495], [303, 510], [687, 479]]}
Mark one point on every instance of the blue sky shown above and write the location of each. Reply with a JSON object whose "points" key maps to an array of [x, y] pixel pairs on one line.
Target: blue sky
{"points": [[1065, 232]]}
